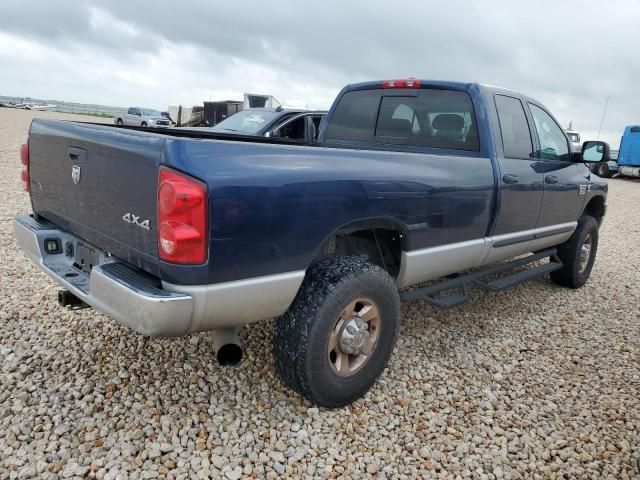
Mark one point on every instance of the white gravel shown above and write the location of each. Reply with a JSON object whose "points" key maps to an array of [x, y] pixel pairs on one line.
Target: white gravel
{"points": [[539, 382]]}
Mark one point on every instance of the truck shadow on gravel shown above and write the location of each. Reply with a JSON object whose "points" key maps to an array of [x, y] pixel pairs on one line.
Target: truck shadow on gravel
{"points": [[512, 322]]}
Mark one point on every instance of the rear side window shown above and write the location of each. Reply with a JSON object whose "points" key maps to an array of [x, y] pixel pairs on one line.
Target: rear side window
{"points": [[355, 116], [516, 137]]}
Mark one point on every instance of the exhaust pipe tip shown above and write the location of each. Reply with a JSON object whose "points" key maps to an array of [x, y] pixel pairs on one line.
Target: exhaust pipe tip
{"points": [[227, 347], [229, 355]]}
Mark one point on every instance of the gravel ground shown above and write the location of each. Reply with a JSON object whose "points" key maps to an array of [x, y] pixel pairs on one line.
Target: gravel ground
{"points": [[539, 382]]}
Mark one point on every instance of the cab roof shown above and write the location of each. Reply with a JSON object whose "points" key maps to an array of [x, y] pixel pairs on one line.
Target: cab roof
{"points": [[420, 83], [376, 84]]}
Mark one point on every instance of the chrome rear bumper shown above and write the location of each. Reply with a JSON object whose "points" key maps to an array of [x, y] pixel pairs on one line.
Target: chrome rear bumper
{"points": [[114, 288], [145, 304]]}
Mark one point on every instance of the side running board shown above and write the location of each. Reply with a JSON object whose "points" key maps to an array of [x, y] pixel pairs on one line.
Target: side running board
{"points": [[453, 291]]}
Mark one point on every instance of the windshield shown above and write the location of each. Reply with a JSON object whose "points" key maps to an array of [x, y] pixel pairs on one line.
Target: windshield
{"points": [[149, 112], [247, 121]]}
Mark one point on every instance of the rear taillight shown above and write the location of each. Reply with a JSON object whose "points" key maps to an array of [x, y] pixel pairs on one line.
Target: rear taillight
{"points": [[406, 83], [24, 159], [182, 218]]}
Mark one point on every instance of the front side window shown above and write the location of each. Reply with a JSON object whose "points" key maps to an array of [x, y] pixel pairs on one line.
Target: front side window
{"points": [[516, 137], [292, 130], [553, 143], [355, 116]]}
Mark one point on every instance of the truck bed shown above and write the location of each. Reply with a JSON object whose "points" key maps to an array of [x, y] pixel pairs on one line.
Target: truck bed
{"points": [[272, 203], [200, 132]]}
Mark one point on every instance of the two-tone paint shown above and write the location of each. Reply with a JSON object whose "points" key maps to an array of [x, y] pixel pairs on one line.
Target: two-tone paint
{"points": [[273, 204]]}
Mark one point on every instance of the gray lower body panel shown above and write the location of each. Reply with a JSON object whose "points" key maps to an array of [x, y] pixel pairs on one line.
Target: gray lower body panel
{"points": [[232, 304], [436, 262]]}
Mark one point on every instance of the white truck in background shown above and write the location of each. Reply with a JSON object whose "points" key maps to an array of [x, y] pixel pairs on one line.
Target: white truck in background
{"points": [[141, 117], [574, 138]]}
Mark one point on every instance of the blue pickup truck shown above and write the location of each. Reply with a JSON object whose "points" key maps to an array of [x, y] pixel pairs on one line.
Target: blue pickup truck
{"points": [[437, 186]]}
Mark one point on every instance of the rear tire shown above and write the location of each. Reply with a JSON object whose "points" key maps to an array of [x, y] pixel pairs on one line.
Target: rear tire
{"points": [[345, 304], [578, 254]]}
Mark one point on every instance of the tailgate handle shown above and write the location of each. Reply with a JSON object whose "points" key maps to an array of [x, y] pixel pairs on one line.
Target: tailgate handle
{"points": [[78, 155]]}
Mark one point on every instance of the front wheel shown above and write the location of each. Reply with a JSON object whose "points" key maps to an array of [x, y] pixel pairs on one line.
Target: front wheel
{"points": [[119, 122], [144, 125], [337, 336], [578, 254], [603, 171]]}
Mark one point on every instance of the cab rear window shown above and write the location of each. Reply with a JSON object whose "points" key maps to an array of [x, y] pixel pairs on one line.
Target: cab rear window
{"points": [[355, 116], [445, 119], [433, 118]]}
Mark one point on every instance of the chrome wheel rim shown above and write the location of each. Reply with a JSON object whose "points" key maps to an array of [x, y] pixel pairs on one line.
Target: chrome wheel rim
{"points": [[354, 337], [585, 254]]}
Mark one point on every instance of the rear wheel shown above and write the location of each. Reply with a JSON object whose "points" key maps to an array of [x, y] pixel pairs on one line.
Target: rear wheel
{"points": [[578, 254], [337, 336]]}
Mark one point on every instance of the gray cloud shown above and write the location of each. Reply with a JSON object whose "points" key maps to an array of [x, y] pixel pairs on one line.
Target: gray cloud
{"points": [[569, 55]]}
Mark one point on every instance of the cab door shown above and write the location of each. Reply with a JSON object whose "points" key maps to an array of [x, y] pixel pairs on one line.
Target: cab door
{"points": [[521, 188], [565, 182], [133, 117]]}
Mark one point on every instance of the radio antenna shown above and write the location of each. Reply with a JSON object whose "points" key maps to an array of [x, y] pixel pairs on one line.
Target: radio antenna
{"points": [[602, 119]]}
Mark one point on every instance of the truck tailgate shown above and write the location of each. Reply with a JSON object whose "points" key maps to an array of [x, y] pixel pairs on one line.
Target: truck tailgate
{"points": [[99, 183]]}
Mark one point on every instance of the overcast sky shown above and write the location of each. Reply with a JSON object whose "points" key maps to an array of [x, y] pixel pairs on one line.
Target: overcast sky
{"points": [[569, 55]]}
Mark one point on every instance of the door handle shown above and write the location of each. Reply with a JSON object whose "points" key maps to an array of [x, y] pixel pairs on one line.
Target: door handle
{"points": [[550, 179], [77, 155], [508, 178]]}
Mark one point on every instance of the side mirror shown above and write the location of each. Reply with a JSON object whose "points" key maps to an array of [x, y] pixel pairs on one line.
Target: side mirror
{"points": [[595, 151]]}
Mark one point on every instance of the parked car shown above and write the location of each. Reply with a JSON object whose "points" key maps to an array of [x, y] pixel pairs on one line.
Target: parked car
{"points": [[410, 181], [142, 117], [274, 122], [629, 156]]}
